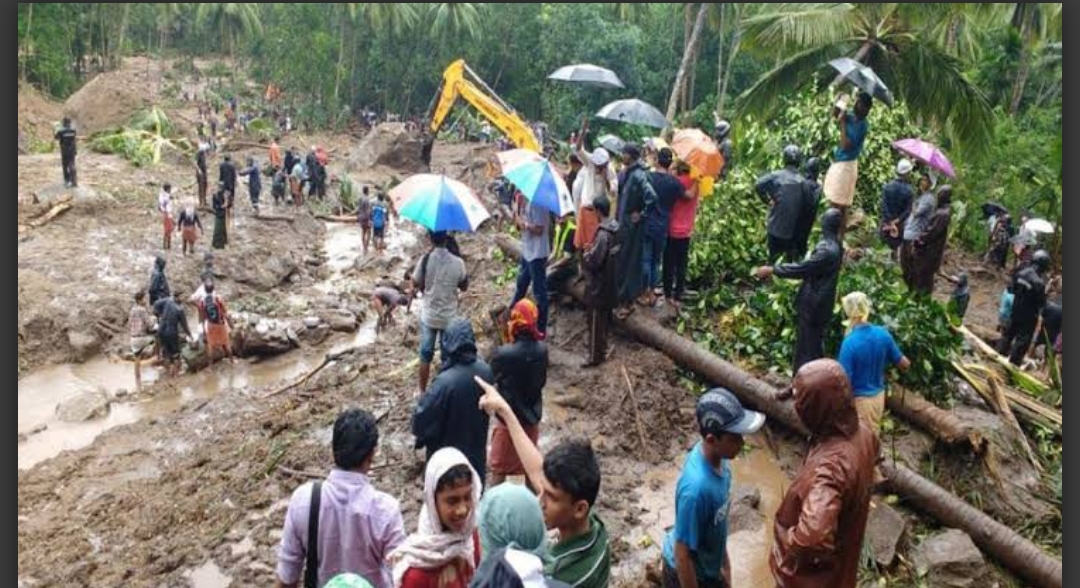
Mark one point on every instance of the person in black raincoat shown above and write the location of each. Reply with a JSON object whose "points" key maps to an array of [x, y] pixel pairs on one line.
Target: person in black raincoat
{"points": [[636, 195], [814, 302], [930, 247], [159, 284], [811, 172], [447, 414], [598, 264], [1029, 291], [722, 136], [789, 197]]}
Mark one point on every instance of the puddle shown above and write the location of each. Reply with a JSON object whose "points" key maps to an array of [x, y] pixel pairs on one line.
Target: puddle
{"points": [[207, 575], [749, 549], [41, 390]]}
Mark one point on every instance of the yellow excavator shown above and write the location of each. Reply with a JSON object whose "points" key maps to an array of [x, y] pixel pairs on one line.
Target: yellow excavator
{"points": [[460, 81]]}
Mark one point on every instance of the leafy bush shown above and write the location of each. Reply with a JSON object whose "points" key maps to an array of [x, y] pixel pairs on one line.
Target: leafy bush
{"points": [[144, 141]]}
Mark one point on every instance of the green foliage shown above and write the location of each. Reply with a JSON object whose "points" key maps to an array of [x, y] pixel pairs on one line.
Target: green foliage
{"points": [[758, 320], [149, 135]]}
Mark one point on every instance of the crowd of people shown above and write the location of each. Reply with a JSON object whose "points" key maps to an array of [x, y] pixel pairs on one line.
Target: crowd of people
{"points": [[478, 419]]}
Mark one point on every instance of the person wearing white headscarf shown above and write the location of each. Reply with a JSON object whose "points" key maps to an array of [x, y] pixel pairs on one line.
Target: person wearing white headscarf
{"points": [[445, 549]]}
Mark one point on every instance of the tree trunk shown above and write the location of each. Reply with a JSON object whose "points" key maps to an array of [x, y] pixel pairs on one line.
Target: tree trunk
{"points": [[27, 44], [720, 62], [680, 78], [123, 30], [341, 61], [736, 41], [942, 424], [1018, 554], [1021, 82]]}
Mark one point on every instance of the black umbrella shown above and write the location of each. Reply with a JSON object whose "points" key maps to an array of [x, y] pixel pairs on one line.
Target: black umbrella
{"points": [[992, 208], [635, 112], [863, 77], [587, 74]]}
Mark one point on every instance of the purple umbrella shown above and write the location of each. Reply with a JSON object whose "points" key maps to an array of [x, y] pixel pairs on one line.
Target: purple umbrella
{"points": [[927, 153]]}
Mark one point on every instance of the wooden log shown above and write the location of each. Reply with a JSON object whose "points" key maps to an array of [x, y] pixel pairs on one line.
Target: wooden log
{"points": [[942, 424], [336, 218], [1004, 544]]}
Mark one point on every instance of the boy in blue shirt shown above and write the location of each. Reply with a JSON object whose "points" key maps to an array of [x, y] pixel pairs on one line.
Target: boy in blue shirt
{"points": [[380, 218], [865, 354], [695, 550]]}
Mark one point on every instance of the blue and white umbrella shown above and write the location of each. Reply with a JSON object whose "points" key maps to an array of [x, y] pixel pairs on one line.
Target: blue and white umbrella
{"points": [[538, 179], [438, 203]]}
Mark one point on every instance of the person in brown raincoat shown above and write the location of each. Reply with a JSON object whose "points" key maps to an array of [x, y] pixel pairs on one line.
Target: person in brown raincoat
{"points": [[820, 524]]}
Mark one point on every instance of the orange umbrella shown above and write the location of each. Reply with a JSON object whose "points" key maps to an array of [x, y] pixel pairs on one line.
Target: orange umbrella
{"points": [[699, 150]]}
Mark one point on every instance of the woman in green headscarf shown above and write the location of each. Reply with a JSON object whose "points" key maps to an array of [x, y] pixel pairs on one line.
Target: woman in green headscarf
{"points": [[510, 516]]}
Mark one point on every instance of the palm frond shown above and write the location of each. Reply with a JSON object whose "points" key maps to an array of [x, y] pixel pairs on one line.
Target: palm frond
{"points": [[933, 85], [801, 25], [789, 75]]}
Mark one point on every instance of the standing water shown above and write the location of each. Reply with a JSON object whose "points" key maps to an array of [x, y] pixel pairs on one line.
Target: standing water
{"points": [[42, 390], [749, 548]]}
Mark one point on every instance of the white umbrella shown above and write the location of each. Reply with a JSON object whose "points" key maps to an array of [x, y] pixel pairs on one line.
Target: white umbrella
{"points": [[587, 74], [1039, 225]]}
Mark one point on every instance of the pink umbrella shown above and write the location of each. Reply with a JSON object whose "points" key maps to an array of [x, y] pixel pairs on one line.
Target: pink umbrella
{"points": [[927, 153]]}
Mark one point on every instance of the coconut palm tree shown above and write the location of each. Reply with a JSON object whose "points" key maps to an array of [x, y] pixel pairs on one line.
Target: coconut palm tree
{"points": [[1035, 23], [394, 17], [688, 55], [453, 19], [231, 19], [887, 37]]}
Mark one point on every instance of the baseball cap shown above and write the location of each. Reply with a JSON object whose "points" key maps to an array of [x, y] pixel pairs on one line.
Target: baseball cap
{"points": [[904, 167], [719, 411]]}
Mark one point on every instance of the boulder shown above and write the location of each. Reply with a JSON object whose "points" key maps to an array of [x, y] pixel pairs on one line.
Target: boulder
{"points": [[950, 560], [263, 274], [84, 407], [342, 321], [745, 513], [84, 345], [315, 336], [884, 529]]}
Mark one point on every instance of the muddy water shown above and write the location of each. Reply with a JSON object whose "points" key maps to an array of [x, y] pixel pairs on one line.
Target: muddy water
{"points": [[749, 549], [42, 390]]}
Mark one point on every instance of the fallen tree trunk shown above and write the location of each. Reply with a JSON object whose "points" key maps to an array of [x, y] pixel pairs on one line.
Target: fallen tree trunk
{"points": [[273, 217], [942, 424], [1007, 546], [336, 218], [1018, 554], [57, 209]]}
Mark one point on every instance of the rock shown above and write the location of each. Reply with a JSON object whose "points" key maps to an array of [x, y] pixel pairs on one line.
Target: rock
{"points": [[315, 336], [312, 321], [84, 407], [950, 559], [884, 529], [264, 272], [121, 393], [389, 145], [342, 321], [84, 345], [745, 514]]}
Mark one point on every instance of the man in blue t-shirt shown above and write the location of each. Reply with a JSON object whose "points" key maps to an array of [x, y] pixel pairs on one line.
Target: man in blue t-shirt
{"points": [[695, 550], [840, 180], [866, 352]]}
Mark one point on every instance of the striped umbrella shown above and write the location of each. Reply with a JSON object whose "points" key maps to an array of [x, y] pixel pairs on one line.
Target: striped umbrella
{"points": [[538, 179], [438, 203]]}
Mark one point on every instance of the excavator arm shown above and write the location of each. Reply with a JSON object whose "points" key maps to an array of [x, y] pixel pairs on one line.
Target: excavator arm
{"points": [[456, 85]]}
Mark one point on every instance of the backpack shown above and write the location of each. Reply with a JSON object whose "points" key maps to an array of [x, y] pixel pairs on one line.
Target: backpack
{"points": [[378, 216], [213, 310]]}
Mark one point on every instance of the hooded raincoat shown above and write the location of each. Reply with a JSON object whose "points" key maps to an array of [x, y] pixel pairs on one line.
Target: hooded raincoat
{"points": [[448, 413], [820, 524]]}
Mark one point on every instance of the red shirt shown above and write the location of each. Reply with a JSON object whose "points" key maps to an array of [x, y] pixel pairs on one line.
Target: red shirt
{"points": [[456, 574], [683, 213]]}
